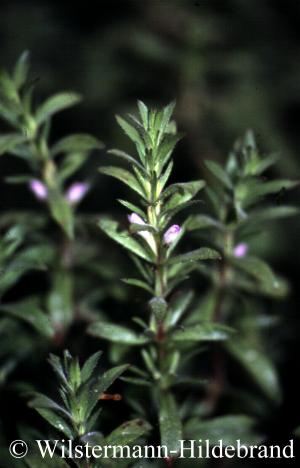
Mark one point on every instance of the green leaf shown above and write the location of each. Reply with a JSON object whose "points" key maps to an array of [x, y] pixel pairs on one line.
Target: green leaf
{"points": [[111, 229], [204, 253], [124, 176], [78, 143], [127, 433], [181, 193], [166, 148], [55, 104], [61, 212], [138, 283], [29, 312], [90, 398], [89, 366], [130, 131], [203, 332], [109, 377], [56, 421], [258, 365], [166, 116], [169, 423], [143, 113], [127, 158], [117, 334], [133, 208], [9, 141], [219, 173]]}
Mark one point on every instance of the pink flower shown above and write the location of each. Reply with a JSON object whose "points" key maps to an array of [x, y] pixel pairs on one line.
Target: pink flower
{"points": [[76, 192], [171, 234], [39, 189], [134, 218], [240, 250]]}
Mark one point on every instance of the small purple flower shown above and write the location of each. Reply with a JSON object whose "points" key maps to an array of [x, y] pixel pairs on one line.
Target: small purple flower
{"points": [[240, 250], [171, 234], [39, 189], [76, 192], [134, 218]]}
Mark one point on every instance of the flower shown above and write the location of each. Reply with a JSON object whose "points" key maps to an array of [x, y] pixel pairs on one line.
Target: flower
{"points": [[134, 218], [240, 250], [39, 189], [76, 192], [171, 234]]}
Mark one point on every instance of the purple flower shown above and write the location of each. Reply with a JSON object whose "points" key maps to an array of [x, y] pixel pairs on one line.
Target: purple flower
{"points": [[240, 250], [171, 234], [39, 189], [134, 218], [76, 192]]}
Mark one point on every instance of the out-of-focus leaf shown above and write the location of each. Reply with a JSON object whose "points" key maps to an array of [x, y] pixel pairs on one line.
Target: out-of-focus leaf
{"points": [[117, 334], [77, 143], [258, 269], [228, 428], [21, 69], [62, 212], [219, 173], [259, 366], [55, 104], [195, 222], [29, 312], [177, 308], [9, 141], [60, 302]]}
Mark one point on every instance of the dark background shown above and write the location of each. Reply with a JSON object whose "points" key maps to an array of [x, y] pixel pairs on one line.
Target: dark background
{"points": [[230, 65]]}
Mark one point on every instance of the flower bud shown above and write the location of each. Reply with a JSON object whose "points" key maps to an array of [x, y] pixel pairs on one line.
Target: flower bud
{"points": [[134, 218], [240, 250], [76, 192], [38, 189], [171, 234]]}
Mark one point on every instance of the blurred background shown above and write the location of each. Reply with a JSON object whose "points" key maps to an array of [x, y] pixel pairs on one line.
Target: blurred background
{"points": [[230, 65]]}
